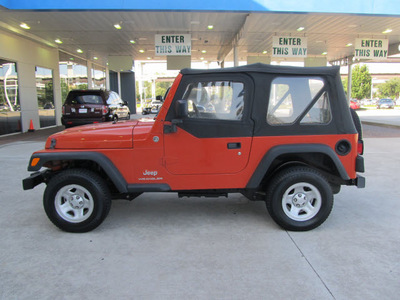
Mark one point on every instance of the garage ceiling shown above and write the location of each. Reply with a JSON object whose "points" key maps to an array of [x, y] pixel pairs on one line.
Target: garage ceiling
{"points": [[95, 34]]}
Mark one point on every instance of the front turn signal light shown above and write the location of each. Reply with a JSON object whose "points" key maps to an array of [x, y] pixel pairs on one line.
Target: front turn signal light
{"points": [[35, 161]]}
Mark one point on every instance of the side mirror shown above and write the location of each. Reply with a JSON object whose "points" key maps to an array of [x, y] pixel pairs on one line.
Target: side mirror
{"points": [[181, 109], [160, 98]]}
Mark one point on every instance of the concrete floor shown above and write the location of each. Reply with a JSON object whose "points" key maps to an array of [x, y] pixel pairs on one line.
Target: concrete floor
{"points": [[162, 247]]}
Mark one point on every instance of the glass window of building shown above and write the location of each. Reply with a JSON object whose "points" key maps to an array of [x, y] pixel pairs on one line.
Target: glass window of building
{"points": [[73, 74], [98, 78], [44, 90], [10, 110]]}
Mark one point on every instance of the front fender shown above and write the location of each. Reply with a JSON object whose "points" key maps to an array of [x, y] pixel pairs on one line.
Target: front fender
{"points": [[39, 159]]}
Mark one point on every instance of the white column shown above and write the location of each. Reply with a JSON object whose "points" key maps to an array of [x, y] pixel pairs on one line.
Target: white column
{"points": [[235, 56], [349, 83]]}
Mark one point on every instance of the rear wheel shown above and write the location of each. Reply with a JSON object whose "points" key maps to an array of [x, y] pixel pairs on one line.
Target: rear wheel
{"points": [[77, 200], [299, 199]]}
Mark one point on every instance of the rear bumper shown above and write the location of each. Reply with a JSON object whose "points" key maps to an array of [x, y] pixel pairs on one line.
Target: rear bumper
{"points": [[77, 122]]}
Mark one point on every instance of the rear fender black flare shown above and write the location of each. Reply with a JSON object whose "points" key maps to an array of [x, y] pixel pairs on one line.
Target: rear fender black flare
{"points": [[277, 151], [103, 161]]}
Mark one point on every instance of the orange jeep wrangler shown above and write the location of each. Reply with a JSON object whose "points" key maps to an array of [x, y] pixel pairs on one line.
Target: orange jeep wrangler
{"points": [[283, 135]]}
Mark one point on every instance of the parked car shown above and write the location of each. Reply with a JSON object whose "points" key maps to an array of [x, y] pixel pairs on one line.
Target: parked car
{"points": [[385, 103], [293, 148], [354, 104], [153, 107], [93, 106]]}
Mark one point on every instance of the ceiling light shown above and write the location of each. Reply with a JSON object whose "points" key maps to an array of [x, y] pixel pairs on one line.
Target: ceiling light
{"points": [[324, 53], [58, 41], [71, 58], [24, 26], [201, 58], [79, 50], [203, 51], [265, 52], [210, 27], [349, 44], [148, 57], [117, 26], [387, 31], [141, 51], [95, 58], [132, 42], [300, 28]]}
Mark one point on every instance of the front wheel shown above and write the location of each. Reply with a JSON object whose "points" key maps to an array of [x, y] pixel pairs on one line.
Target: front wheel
{"points": [[77, 200], [299, 199]]}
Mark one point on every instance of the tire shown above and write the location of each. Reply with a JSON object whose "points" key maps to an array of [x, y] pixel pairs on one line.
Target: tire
{"points": [[357, 123], [128, 117], [77, 200], [299, 199]]}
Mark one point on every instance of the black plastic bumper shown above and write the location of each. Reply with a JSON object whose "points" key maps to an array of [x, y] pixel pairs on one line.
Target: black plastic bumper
{"points": [[34, 179]]}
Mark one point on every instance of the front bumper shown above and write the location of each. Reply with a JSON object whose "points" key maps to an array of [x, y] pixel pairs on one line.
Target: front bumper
{"points": [[35, 179]]}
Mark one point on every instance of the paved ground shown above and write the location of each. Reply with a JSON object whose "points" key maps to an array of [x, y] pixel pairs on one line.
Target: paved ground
{"points": [[162, 247]]}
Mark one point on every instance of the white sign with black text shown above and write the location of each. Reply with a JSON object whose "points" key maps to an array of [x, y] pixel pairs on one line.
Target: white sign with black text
{"points": [[287, 46], [173, 44], [371, 49]]}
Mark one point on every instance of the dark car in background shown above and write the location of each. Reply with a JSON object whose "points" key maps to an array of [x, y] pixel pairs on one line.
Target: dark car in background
{"points": [[385, 103], [93, 106]]}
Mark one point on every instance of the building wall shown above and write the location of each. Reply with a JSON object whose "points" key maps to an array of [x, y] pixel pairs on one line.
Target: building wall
{"points": [[28, 54]]}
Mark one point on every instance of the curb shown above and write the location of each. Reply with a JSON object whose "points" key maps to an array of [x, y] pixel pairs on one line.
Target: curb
{"points": [[380, 124]]}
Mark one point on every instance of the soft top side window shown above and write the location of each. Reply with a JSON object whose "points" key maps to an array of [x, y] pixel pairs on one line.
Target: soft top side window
{"points": [[220, 100], [294, 97]]}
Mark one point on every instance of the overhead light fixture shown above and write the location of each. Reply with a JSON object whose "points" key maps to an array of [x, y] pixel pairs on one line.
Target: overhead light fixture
{"points": [[210, 27], [148, 57], [79, 50], [201, 58], [117, 26], [24, 26], [95, 58], [132, 42], [387, 31], [58, 41], [71, 58], [265, 52], [300, 28], [141, 51], [349, 45], [203, 51], [324, 53]]}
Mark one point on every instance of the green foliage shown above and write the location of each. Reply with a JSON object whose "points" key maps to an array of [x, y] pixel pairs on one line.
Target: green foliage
{"points": [[390, 89], [360, 82]]}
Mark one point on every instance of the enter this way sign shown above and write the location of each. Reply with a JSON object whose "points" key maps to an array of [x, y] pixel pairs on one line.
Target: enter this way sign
{"points": [[287, 46], [173, 44]]}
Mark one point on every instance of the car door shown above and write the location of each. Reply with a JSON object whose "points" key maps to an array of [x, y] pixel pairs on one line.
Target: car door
{"points": [[216, 135]]}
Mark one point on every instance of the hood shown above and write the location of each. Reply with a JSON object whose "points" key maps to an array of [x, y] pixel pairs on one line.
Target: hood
{"points": [[94, 136]]}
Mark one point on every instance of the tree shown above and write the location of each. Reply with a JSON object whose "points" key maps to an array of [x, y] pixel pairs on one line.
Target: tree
{"points": [[390, 89], [360, 82]]}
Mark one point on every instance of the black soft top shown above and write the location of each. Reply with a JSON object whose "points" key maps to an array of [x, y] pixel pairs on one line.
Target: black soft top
{"points": [[272, 69]]}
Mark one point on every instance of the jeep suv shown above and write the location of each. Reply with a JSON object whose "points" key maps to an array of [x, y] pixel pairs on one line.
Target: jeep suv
{"points": [[93, 106], [283, 135]]}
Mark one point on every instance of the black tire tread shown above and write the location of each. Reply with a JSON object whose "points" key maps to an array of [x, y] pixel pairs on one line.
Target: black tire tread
{"points": [[292, 172], [83, 175]]}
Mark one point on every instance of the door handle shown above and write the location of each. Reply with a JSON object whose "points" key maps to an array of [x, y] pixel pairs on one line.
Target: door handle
{"points": [[234, 145]]}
